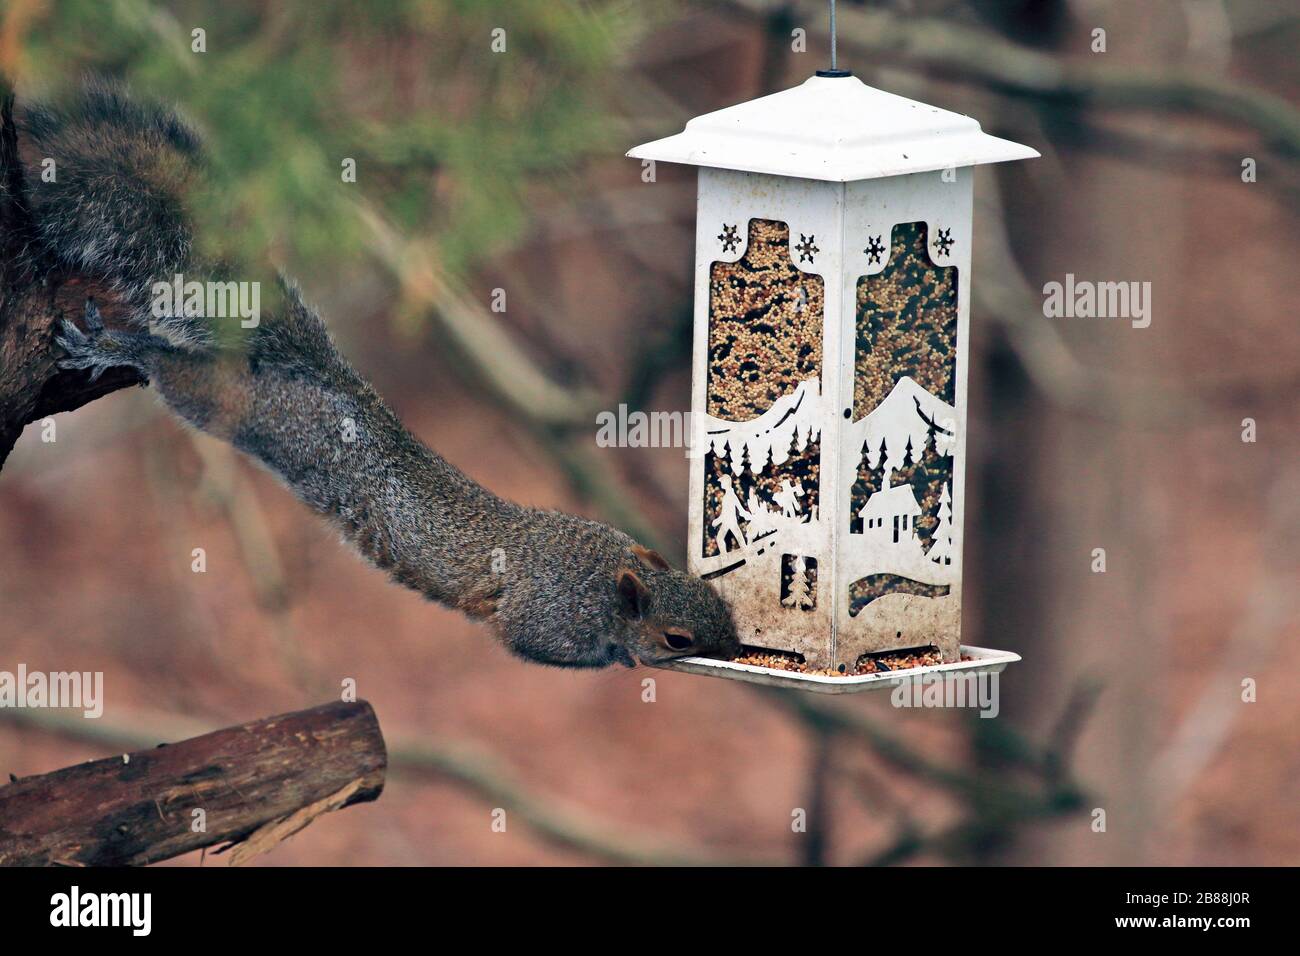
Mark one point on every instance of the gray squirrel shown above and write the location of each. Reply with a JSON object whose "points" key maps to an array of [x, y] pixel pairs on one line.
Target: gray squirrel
{"points": [[557, 589]]}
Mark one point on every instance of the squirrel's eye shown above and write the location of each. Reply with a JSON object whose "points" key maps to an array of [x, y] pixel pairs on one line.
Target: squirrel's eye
{"points": [[678, 642]]}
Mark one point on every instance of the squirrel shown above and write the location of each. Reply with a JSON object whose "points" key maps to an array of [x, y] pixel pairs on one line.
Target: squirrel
{"points": [[556, 589]]}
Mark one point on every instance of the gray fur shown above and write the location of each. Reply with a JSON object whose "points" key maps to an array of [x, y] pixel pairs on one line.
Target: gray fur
{"points": [[114, 211], [548, 582], [557, 589]]}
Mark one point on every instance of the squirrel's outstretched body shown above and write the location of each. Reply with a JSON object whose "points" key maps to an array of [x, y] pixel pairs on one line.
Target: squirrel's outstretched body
{"points": [[558, 589]]}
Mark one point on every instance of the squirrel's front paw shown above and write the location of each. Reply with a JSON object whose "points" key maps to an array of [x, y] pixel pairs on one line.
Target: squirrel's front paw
{"points": [[97, 348]]}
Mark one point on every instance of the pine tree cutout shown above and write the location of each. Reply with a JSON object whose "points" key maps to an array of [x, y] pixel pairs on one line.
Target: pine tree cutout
{"points": [[941, 552], [800, 591]]}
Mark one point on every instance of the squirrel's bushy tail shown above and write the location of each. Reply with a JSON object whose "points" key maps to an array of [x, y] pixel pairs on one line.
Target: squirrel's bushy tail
{"points": [[110, 205]]}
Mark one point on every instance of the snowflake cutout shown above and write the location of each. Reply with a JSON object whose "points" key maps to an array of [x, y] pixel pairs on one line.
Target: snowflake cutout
{"points": [[875, 249], [945, 241], [805, 248], [729, 237]]}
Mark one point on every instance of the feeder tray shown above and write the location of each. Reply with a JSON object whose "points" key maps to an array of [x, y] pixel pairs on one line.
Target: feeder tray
{"points": [[832, 323], [975, 660]]}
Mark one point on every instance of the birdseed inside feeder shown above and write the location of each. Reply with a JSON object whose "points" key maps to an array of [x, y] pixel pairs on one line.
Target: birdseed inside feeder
{"points": [[832, 302]]}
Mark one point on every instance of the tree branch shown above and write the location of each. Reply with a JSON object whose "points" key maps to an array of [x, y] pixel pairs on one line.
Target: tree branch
{"points": [[476, 773], [32, 301], [260, 782], [507, 371], [967, 53]]}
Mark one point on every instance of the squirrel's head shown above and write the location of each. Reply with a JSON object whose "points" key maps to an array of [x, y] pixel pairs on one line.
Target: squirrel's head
{"points": [[667, 613]]}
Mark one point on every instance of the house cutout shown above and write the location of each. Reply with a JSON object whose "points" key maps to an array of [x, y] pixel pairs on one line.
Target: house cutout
{"points": [[889, 517]]}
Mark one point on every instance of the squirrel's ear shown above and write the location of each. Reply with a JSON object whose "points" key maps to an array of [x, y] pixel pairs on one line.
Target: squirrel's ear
{"points": [[651, 559], [631, 595]]}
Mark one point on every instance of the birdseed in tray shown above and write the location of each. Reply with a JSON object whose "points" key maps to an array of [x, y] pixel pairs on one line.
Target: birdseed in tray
{"points": [[867, 663]]}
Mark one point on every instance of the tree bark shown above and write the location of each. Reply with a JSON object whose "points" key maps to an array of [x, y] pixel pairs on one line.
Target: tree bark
{"points": [[33, 298], [256, 784]]}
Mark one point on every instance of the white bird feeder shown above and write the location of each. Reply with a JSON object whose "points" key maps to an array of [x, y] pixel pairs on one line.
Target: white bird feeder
{"points": [[832, 301]]}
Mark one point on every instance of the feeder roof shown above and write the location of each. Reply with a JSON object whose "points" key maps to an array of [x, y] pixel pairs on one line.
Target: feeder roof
{"points": [[832, 128]]}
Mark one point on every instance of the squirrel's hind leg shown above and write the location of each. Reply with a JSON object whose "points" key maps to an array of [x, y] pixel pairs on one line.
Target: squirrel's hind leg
{"points": [[211, 394], [100, 349]]}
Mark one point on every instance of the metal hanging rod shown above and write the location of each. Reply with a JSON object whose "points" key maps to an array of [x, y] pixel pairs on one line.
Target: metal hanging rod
{"points": [[835, 67]]}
